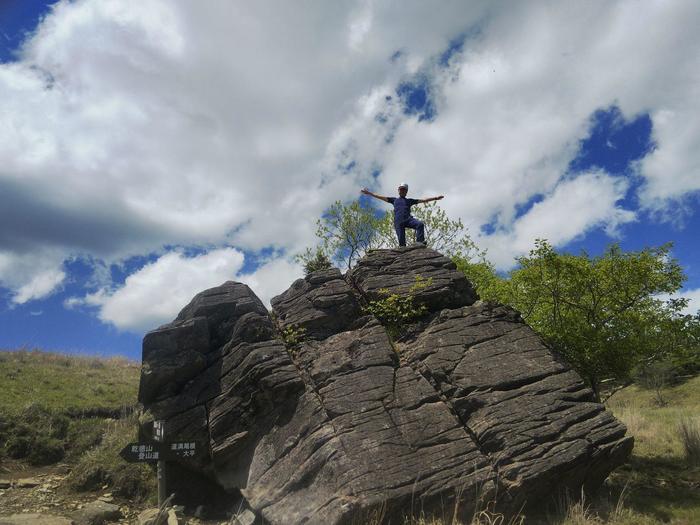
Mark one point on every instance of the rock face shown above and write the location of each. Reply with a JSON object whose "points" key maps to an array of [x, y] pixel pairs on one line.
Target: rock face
{"points": [[340, 420]]}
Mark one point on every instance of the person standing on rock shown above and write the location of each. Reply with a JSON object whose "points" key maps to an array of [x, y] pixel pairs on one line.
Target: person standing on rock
{"points": [[402, 213]]}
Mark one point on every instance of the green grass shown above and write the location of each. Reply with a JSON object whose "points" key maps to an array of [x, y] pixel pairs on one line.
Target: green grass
{"points": [[76, 409], [662, 483], [65, 383], [56, 407], [101, 465]]}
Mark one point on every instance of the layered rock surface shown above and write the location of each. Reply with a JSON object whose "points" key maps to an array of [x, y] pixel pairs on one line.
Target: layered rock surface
{"points": [[342, 420]]}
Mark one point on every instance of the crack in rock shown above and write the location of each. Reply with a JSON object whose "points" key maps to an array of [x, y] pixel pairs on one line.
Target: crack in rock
{"points": [[471, 401]]}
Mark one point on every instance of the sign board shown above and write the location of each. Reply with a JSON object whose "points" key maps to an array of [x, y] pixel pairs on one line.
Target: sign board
{"points": [[180, 450], [141, 452], [155, 451]]}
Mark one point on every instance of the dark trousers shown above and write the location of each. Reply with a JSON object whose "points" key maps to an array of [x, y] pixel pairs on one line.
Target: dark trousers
{"points": [[414, 224]]}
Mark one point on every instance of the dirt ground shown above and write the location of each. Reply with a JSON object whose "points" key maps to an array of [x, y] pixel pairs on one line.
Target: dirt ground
{"points": [[42, 490]]}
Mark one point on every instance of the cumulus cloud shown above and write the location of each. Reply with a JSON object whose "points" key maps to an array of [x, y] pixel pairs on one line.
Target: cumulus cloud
{"points": [[569, 211], [271, 278], [154, 294], [31, 275], [157, 292], [693, 297], [672, 170], [124, 131], [515, 105]]}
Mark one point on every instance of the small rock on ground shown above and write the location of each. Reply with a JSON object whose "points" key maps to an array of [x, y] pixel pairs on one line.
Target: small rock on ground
{"points": [[27, 483], [97, 513], [173, 518], [245, 517], [147, 517]]}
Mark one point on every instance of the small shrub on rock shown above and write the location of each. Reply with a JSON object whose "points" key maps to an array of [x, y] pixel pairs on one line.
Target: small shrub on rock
{"points": [[396, 311], [293, 336]]}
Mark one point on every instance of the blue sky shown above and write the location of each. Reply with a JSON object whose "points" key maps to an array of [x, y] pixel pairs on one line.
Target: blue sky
{"points": [[141, 163]]}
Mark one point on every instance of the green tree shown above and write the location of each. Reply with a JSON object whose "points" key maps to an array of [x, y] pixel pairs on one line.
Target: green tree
{"points": [[346, 232], [602, 313], [676, 339], [482, 274]]}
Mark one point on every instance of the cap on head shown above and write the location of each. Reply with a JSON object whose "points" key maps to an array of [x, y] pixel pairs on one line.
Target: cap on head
{"points": [[403, 185]]}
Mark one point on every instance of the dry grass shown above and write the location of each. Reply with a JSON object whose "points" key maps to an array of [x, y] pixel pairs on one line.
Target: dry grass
{"points": [[480, 517], [662, 481], [56, 406], [66, 383], [102, 465], [655, 427], [689, 433]]}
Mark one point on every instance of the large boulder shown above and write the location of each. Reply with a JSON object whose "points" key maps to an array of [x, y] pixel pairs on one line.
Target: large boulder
{"points": [[399, 270], [340, 419], [321, 305]]}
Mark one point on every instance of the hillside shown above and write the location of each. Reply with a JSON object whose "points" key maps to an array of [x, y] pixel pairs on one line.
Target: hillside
{"points": [[63, 419], [662, 479], [66, 383], [659, 484]]}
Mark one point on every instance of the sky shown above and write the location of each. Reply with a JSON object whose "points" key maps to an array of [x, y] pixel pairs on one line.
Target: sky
{"points": [[150, 150]]}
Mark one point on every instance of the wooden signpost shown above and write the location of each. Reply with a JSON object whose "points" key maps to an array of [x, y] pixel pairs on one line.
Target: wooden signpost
{"points": [[161, 452], [159, 437]]}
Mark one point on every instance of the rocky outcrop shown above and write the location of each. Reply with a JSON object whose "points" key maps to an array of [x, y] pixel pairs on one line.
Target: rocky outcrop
{"points": [[322, 305], [340, 419], [395, 272]]}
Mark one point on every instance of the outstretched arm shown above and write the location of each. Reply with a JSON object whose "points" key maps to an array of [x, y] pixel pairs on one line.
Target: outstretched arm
{"points": [[431, 199], [380, 197]]}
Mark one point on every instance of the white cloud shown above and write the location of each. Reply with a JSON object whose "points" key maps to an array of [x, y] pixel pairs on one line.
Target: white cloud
{"points": [[672, 170], [40, 286], [125, 131], [359, 26], [693, 296], [514, 105], [272, 278], [570, 210], [155, 293], [31, 277]]}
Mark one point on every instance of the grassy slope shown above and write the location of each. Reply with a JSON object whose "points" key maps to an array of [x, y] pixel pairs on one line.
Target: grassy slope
{"points": [[660, 482], [76, 386], [64, 383]]}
